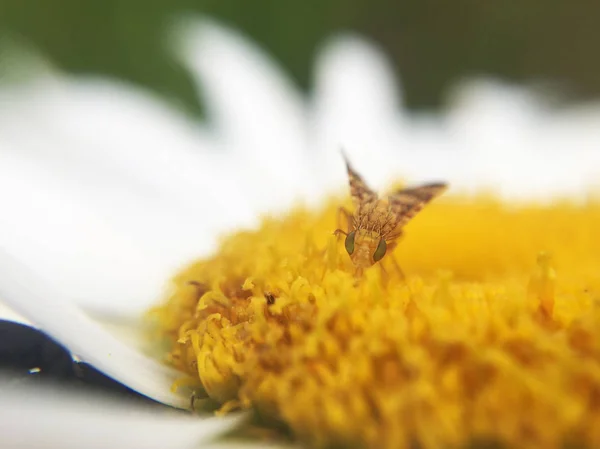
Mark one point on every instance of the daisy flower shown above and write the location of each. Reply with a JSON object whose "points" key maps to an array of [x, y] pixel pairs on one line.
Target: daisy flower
{"points": [[115, 204]]}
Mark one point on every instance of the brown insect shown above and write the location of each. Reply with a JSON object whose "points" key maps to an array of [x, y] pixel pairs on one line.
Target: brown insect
{"points": [[377, 223]]}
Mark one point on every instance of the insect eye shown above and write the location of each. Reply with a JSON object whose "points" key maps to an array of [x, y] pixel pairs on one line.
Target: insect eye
{"points": [[380, 251], [349, 243]]}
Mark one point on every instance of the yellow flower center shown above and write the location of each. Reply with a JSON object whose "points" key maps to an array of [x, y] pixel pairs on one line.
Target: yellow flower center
{"points": [[494, 335]]}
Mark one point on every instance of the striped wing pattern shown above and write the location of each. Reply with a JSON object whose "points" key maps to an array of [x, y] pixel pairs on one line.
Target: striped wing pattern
{"points": [[360, 191], [407, 203]]}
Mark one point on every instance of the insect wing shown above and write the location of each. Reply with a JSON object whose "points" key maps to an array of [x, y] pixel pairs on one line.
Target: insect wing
{"points": [[407, 203], [360, 191]]}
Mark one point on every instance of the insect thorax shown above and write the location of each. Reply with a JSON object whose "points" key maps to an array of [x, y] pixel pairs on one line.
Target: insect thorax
{"points": [[376, 217]]}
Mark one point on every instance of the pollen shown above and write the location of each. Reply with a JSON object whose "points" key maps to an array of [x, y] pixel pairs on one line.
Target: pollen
{"points": [[492, 336]]}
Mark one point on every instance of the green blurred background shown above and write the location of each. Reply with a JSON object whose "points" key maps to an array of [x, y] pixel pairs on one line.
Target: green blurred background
{"points": [[433, 43]]}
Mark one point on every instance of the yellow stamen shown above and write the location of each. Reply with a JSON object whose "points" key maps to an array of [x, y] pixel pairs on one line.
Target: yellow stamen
{"points": [[542, 284]]}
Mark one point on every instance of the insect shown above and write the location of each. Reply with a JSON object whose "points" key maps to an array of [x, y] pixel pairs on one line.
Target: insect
{"points": [[377, 223]]}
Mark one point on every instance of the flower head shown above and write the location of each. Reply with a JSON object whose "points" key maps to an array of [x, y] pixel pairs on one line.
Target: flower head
{"points": [[486, 325]]}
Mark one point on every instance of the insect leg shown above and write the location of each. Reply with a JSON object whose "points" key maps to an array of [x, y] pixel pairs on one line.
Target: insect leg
{"points": [[391, 246], [339, 231], [398, 269], [344, 213], [358, 273], [193, 399], [402, 275], [384, 274]]}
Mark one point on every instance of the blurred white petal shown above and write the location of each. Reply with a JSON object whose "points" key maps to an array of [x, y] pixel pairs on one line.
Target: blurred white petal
{"points": [[120, 132], [8, 314], [99, 241], [521, 148], [357, 107], [241, 444], [28, 294], [258, 113], [59, 419], [108, 192]]}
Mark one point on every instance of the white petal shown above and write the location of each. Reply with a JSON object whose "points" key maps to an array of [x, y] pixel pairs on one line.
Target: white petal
{"points": [[251, 445], [254, 106], [241, 444], [102, 244], [522, 148], [61, 419], [28, 294], [107, 192], [357, 108], [8, 314], [119, 133]]}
